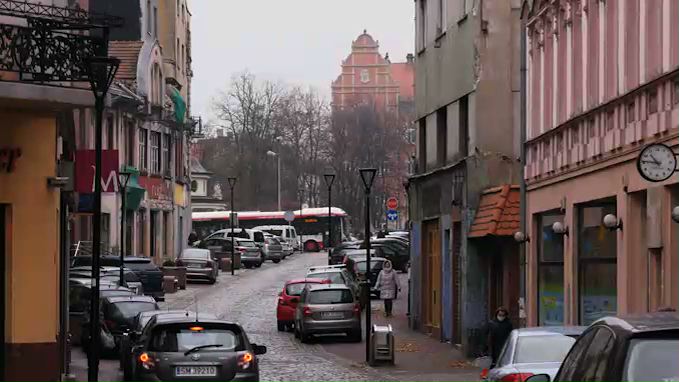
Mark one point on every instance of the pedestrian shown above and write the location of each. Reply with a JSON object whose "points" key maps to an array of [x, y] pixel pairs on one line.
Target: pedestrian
{"points": [[498, 331], [193, 237], [387, 284]]}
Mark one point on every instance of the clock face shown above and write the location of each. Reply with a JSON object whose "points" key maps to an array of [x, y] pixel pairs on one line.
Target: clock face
{"points": [[657, 162]]}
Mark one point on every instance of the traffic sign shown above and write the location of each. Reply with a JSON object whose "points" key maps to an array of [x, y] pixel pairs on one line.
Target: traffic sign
{"points": [[289, 216], [392, 215], [392, 203]]}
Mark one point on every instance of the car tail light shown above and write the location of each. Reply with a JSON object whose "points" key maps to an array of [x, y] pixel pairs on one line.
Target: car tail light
{"points": [[516, 377], [147, 362], [307, 311], [484, 374], [245, 360], [357, 309]]}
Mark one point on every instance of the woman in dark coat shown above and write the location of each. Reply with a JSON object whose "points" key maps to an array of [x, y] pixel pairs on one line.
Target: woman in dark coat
{"points": [[499, 329]]}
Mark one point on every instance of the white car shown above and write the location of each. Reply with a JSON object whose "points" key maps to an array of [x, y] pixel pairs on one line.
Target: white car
{"points": [[286, 233]]}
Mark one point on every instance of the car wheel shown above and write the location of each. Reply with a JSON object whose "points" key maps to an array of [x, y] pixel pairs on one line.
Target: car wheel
{"points": [[355, 336], [213, 281], [305, 338], [248, 266], [259, 264], [311, 246], [276, 261], [281, 326]]}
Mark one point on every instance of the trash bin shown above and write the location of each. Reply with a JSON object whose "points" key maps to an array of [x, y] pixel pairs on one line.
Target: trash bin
{"points": [[381, 344]]}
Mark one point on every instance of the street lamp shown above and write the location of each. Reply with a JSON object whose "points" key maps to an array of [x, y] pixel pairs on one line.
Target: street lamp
{"points": [[301, 212], [102, 71], [232, 185], [278, 176], [329, 180], [123, 178], [368, 176]]}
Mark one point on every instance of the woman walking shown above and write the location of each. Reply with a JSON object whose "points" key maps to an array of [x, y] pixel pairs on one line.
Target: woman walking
{"points": [[387, 284]]}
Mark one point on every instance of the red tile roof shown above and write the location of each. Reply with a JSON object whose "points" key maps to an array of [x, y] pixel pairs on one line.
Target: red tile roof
{"points": [[128, 54], [403, 73], [499, 213]]}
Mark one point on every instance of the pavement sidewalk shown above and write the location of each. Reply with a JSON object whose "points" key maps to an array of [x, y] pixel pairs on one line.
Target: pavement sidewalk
{"points": [[419, 357]]}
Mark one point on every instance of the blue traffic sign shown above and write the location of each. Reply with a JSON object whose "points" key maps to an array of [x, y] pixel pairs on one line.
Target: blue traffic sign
{"points": [[392, 215]]}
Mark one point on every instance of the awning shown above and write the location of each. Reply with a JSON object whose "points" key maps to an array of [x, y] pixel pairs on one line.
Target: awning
{"points": [[179, 103], [135, 192], [499, 213]]}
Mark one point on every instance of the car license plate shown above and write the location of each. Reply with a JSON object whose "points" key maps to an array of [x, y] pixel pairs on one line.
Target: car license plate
{"points": [[332, 315], [196, 371]]}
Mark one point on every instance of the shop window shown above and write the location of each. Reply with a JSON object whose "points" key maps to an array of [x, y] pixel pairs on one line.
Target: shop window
{"points": [[550, 272], [597, 262], [155, 152]]}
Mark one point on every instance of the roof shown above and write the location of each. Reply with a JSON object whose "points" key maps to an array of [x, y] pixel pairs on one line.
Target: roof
{"points": [[197, 167], [643, 322], [551, 330], [498, 213], [128, 54]]}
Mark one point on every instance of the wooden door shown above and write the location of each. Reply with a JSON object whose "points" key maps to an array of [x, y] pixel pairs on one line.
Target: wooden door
{"points": [[432, 289], [457, 283]]}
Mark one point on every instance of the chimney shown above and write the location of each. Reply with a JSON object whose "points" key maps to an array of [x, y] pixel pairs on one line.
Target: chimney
{"points": [[410, 58]]}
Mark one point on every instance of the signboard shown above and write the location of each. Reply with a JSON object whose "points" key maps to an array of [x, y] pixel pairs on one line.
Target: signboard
{"points": [[392, 203], [156, 188], [289, 216], [84, 171], [392, 215]]}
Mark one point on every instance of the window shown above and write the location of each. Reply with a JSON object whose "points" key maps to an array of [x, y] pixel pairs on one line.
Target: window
{"points": [[441, 17], [177, 55], [129, 133], [109, 144], [167, 154], [148, 17], [180, 338], [464, 126], [652, 359], [569, 369], [675, 91], [183, 13], [155, 22], [178, 159], [532, 349], [597, 263], [652, 101], [331, 296], [422, 25], [591, 128], [550, 272], [143, 158], [155, 152], [610, 120], [631, 116], [441, 135], [183, 57], [597, 354]]}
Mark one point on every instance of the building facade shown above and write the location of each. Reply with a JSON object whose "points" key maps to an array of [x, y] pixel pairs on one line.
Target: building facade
{"points": [[463, 198], [603, 82]]}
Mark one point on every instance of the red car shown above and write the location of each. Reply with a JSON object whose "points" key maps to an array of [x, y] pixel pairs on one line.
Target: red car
{"points": [[288, 299]]}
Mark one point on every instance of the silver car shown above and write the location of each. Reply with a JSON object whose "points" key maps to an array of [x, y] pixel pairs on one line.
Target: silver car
{"points": [[327, 309], [531, 351], [199, 264], [272, 250]]}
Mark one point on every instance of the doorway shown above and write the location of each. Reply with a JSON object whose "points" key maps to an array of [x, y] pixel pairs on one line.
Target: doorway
{"points": [[432, 267]]}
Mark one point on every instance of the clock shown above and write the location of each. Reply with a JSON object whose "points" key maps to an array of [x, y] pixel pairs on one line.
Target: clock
{"points": [[657, 162]]}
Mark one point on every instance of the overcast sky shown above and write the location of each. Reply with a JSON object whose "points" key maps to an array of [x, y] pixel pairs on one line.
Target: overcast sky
{"points": [[297, 41]]}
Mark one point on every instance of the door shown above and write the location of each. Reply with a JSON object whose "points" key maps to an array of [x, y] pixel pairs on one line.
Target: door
{"points": [[4, 230], [457, 283], [432, 290]]}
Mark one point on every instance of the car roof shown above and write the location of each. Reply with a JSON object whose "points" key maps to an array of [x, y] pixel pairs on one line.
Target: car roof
{"points": [[315, 287], [133, 298], [642, 323], [310, 280], [551, 330]]}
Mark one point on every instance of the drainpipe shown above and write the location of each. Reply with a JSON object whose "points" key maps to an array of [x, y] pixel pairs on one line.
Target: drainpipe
{"points": [[523, 116]]}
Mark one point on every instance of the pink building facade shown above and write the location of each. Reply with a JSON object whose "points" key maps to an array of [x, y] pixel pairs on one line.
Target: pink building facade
{"points": [[602, 83]]}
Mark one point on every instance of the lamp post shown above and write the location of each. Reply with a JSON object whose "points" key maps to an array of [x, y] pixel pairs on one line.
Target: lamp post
{"points": [[301, 212], [368, 176], [123, 179], [329, 180], [232, 185], [102, 71], [278, 174]]}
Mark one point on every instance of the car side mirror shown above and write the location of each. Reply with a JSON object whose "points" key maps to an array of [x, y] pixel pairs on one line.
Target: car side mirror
{"points": [[538, 378], [259, 349]]}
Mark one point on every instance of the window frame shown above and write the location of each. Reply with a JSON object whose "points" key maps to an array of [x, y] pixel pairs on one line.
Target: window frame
{"points": [[143, 149], [542, 263], [155, 164]]}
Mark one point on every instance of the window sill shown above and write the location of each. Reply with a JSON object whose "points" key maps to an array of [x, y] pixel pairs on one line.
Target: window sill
{"points": [[421, 51], [463, 18], [440, 36]]}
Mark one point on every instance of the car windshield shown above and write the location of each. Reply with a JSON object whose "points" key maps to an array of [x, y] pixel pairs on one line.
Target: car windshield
{"points": [[244, 243], [131, 277], [115, 293], [273, 241], [334, 277], [129, 309], [195, 254], [331, 296], [180, 338], [652, 360], [374, 265], [276, 232], [532, 349], [295, 289]]}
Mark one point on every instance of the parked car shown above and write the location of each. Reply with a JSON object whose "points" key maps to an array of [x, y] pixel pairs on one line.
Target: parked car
{"points": [[288, 299], [117, 315], [376, 265], [177, 348], [394, 250], [131, 338], [200, 265], [250, 254], [272, 250], [287, 233], [337, 253], [635, 348], [255, 235], [150, 276], [328, 308], [112, 274], [530, 351], [337, 274]]}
